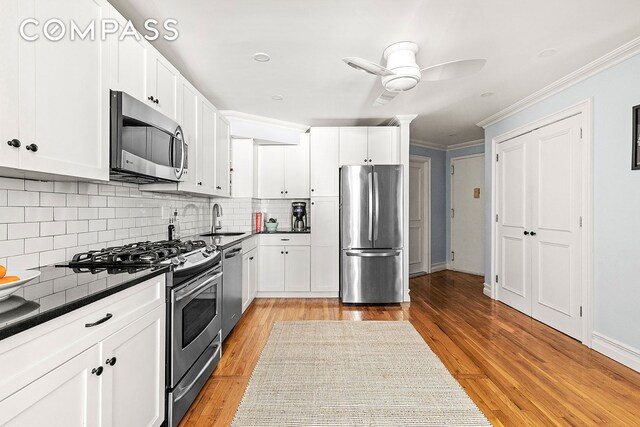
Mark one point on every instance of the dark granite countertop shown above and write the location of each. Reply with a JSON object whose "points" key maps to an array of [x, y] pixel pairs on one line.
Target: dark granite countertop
{"points": [[60, 290], [224, 242]]}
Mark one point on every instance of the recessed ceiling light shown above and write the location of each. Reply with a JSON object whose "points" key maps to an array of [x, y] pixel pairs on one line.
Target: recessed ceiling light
{"points": [[547, 53], [277, 97], [486, 94], [261, 57]]}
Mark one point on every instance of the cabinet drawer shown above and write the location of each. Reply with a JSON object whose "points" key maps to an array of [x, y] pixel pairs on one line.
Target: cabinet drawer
{"points": [[285, 239], [29, 355], [249, 244]]}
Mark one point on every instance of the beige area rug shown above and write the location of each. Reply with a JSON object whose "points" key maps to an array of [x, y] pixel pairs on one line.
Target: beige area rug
{"points": [[343, 373]]}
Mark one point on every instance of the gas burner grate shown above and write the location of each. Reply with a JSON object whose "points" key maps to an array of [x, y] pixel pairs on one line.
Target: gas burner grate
{"points": [[140, 254]]}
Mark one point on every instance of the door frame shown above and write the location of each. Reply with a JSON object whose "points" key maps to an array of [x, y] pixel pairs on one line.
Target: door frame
{"points": [[468, 156], [585, 108], [426, 238]]}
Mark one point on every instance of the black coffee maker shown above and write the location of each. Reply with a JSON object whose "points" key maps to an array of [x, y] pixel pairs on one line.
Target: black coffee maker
{"points": [[299, 216]]}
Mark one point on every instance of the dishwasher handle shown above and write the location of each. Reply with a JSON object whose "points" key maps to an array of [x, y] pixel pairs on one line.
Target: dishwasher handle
{"points": [[232, 253]]}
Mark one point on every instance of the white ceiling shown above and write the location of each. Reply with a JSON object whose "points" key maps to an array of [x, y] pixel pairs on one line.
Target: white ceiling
{"points": [[307, 39]]}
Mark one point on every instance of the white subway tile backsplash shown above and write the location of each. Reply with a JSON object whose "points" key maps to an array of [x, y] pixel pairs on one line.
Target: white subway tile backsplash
{"points": [[12, 184], [38, 214], [106, 213], [52, 257], [22, 198], [88, 213], [65, 282], [3, 231], [97, 201], [65, 214], [88, 238], [38, 290], [38, 185], [53, 199], [12, 214], [97, 224], [23, 230], [3, 197], [23, 262], [65, 187], [52, 228], [81, 226], [65, 241], [51, 301], [38, 244], [10, 248], [87, 188], [78, 200], [104, 236]]}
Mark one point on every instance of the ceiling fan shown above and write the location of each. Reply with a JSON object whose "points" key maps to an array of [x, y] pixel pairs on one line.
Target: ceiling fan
{"points": [[402, 73]]}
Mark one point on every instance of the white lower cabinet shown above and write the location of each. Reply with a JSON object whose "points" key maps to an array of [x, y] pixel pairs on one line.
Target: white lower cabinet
{"points": [[110, 375], [249, 277], [325, 244], [284, 268], [67, 396]]}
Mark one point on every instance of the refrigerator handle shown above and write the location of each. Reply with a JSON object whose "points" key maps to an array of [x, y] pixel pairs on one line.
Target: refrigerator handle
{"points": [[369, 178], [373, 254], [377, 205]]}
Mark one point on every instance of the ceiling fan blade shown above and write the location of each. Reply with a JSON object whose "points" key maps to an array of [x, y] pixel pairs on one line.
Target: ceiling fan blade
{"points": [[384, 98], [367, 66], [453, 69]]}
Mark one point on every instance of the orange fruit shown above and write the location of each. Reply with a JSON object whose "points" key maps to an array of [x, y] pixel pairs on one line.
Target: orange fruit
{"points": [[3, 271], [9, 279]]}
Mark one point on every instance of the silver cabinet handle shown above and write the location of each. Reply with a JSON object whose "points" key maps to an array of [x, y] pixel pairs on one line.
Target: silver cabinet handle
{"points": [[197, 288], [373, 254], [190, 386]]}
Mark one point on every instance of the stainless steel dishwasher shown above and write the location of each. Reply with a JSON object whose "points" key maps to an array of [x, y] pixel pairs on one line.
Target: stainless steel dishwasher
{"points": [[231, 288]]}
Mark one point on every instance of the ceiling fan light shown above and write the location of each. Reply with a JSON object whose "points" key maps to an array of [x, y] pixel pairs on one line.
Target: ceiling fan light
{"points": [[400, 83]]}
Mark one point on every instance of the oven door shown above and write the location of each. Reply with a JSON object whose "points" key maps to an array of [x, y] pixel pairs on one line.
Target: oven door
{"points": [[195, 320]]}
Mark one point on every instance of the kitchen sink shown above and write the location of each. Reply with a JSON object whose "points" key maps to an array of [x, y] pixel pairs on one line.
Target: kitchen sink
{"points": [[234, 233]]}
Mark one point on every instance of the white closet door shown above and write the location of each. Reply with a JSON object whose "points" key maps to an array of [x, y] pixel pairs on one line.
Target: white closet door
{"points": [[514, 257], [556, 198]]}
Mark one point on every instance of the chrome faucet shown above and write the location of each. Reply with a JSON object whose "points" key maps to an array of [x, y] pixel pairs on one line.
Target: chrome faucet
{"points": [[216, 213]]}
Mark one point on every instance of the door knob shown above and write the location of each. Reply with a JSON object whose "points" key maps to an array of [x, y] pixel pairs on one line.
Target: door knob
{"points": [[32, 147], [369, 160], [97, 371], [14, 143], [111, 361], [533, 233], [282, 252], [151, 98], [526, 233]]}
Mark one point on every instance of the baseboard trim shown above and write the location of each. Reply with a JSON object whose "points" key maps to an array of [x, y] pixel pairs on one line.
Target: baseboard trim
{"points": [[296, 294], [617, 351], [438, 266], [487, 290]]}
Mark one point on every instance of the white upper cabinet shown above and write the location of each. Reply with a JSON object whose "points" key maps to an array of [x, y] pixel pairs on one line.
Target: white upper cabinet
{"points": [[383, 145], [270, 172], [222, 164], [369, 145], [283, 171], [162, 84], [324, 161], [242, 167], [353, 146], [296, 169], [206, 151], [128, 62], [57, 110]]}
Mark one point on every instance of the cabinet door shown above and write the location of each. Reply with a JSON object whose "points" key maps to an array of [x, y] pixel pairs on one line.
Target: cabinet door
{"points": [[353, 146], [324, 153], [246, 277], [296, 169], [383, 145], [128, 62], [162, 84], [68, 396], [134, 373], [242, 167], [206, 155], [270, 172], [223, 139], [297, 268], [188, 106], [253, 278], [325, 244], [9, 83], [271, 268], [64, 96]]}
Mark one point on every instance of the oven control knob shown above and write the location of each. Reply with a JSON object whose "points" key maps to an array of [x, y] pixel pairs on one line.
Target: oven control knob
{"points": [[175, 261], [181, 259], [206, 254], [209, 249]]}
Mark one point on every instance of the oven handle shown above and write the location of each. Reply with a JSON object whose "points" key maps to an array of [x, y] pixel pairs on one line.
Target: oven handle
{"points": [[201, 286], [192, 383]]}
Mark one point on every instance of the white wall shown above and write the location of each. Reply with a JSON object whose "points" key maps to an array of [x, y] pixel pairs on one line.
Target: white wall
{"points": [[616, 194]]}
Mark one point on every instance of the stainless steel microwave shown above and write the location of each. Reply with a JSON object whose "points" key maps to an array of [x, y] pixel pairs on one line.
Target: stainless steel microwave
{"points": [[146, 146]]}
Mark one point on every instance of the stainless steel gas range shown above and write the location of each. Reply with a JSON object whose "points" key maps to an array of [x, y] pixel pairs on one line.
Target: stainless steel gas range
{"points": [[194, 321]]}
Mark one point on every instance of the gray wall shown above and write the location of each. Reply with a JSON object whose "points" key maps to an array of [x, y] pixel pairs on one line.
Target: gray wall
{"points": [[616, 193], [438, 220]]}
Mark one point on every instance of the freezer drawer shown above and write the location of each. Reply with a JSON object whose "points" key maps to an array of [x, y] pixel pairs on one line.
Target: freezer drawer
{"points": [[371, 276]]}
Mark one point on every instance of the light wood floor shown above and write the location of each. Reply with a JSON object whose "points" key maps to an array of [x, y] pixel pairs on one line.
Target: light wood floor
{"points": [[518, 371]]}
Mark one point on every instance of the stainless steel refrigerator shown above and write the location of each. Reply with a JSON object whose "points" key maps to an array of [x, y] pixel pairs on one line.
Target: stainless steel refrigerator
{"points": [[371, 240]]}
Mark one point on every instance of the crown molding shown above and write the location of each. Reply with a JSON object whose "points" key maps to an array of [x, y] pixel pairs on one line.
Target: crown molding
{"points": [[612, 58], [402, 119], [238, 115], [467, 144], [427, 144]]}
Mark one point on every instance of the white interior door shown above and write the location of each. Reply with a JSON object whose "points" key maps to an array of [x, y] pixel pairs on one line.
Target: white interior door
{"points": [[418, 240], [467, 216], [539, 205], [556, 255], [514, 256]]}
